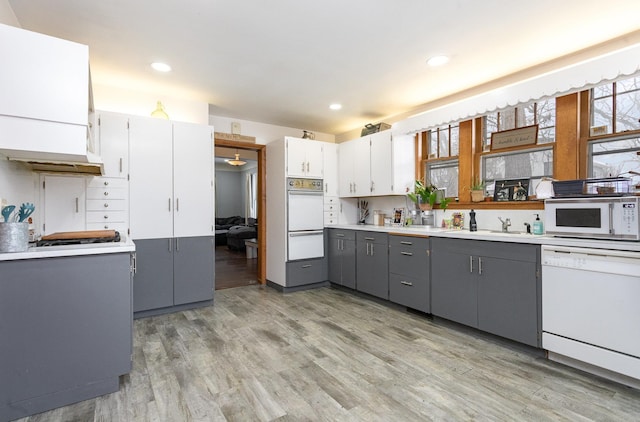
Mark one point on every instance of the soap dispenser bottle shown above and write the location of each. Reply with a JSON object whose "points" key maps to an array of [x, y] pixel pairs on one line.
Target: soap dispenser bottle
{"points": [[537, 225]]}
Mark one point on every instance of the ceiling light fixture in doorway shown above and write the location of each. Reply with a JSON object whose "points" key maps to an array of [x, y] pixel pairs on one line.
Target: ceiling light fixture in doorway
{"points": [[236, 161]]}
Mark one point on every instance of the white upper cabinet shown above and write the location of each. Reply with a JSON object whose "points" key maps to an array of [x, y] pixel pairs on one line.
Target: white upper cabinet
{"points": [[44, 106], [330, 169], [113, 133], [151, 178], [192, 179], [376, 165], [64, 203], [171, 179], [304, 158]]}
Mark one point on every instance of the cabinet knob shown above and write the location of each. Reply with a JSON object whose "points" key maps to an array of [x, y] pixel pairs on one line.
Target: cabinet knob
{"points": [[106, 194], [106, 183], [106, 216], [106, 205], [106, 227]]}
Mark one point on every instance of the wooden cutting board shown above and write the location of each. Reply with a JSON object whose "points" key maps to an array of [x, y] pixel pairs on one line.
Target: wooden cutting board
{"points": [[87, 234]]}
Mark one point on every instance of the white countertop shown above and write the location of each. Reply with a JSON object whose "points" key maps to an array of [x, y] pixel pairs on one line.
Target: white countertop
{"points": [[125, 245], [496, 236]]}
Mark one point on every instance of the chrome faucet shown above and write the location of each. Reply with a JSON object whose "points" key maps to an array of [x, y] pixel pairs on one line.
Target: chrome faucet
{"points": [[505, 224]]}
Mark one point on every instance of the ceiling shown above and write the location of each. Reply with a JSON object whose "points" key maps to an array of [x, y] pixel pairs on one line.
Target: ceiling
{"points": [[284, 61]]}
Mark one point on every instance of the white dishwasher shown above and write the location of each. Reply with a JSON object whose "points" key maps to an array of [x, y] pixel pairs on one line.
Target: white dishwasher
{"points": [[591, 309]]}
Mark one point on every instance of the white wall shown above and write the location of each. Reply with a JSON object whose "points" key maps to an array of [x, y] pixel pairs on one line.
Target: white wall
{"points": [[6, 14], [263, 132], [229, 193]]}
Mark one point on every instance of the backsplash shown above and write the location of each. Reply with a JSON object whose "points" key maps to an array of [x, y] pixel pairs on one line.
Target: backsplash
{"points": [[17, 183], [486, 219]]}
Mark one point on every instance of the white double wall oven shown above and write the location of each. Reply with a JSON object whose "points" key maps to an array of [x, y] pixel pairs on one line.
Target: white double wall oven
{"points": [[305, 218]]}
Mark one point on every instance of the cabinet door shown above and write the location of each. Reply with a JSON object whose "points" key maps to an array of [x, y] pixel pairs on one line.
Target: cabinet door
{"points": [[346, 168], [362, 163], [381, 160], [114, 144], [507, 301], [192, 180], [335, 259], [314, 153], [349, 263], [330, 154], [403, 163], [296, 157], [64, 204], [454, 285], [372, 264], [193, 269], [151, 191], [153, 279]]}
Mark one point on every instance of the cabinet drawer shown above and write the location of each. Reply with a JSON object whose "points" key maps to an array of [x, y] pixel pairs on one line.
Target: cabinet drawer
{"points": [[330, 218], [306, 271], [412, 292], [330, 200], [106, 216], [372, 237], [120, 227], [408, 241], [107, 182], [106, 205], [331, 207], [409, 261], [342, 234], [106, 193]]}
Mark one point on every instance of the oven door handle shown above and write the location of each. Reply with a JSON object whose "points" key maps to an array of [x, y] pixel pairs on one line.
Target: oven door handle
{"points": [[307, 233]]}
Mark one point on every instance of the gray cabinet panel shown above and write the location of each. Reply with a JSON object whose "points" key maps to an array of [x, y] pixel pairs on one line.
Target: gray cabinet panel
{"points": [[454, 290], [66, 325], [412, 292], [342, 257], [408, 241], [408, 260], [193, 269], [492, 286], [153, 280], [507, 299], [306, 271], [372, 264]]}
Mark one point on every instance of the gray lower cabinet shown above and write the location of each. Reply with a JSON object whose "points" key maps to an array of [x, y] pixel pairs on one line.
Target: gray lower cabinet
{"points": [[306, 271], [492, 286], [65, 330], [172, 272], [409, 278], [342, 257], [372, 263]]}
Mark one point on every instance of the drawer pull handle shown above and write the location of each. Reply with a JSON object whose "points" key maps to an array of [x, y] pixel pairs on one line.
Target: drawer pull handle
{"points": [[106, 183], [369, 238], [306, 266], [106, 194], [407, 253], [404, 242], [106, 216], [106, 227], [406, 283], [339, 235], [106, 205]]}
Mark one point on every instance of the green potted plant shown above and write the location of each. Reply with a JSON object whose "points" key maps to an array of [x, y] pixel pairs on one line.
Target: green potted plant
{"points": [[477, 190], [425, 196]]}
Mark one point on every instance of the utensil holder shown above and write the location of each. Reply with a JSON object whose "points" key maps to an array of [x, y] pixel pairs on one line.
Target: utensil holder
{"points": [[14, 237]]}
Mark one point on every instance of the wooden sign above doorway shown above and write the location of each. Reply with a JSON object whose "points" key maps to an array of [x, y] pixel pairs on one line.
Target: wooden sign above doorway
{"points": [[234, 137]]}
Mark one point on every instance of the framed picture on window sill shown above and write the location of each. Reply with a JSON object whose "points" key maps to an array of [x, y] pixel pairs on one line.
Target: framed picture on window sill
{"points": [[511, 190]]}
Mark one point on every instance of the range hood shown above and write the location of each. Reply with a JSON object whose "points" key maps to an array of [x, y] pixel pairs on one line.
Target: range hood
{"points": [[90, 164]]}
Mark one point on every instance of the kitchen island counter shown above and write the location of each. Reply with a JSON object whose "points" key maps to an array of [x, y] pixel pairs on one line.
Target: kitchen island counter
{"points": [[36, 252]]}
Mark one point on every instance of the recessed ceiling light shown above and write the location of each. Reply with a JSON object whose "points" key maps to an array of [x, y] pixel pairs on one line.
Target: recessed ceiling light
{"points": [[335, 106], [161, 67], [437, 60]]}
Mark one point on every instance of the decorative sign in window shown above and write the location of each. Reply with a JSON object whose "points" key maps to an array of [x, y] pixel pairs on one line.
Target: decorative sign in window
{"points": [[527, 135]]}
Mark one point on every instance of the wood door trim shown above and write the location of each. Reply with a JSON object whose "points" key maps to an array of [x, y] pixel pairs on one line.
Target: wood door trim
{"points": [[262, 200]]}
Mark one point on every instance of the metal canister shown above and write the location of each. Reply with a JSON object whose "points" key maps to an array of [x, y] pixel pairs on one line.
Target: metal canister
{"points": [[14, 237]]}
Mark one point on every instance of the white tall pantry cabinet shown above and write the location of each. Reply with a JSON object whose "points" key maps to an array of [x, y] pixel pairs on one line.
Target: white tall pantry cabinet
{"points": [[172, 213]]}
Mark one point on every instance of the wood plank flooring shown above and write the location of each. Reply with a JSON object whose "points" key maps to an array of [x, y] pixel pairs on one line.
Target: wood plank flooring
{"points": [[233, 269], [329, 355]]}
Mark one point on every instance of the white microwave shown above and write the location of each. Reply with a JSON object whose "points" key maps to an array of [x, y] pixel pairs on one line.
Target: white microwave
{"points": [[613, 218]]}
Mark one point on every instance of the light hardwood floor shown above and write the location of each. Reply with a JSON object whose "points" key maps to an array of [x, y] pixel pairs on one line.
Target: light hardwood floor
{"points": [[325, 354]]}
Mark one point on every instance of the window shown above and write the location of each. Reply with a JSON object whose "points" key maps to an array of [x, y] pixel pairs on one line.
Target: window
{"points": [[443, 145], [532, 161], [615, 107], [615, 111]]}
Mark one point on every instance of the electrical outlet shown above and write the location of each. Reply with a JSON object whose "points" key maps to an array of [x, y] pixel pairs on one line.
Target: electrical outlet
{"points": [[235, 128]]}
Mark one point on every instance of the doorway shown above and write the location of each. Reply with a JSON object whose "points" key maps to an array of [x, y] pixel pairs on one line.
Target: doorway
{"points": [[235, 265]]}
